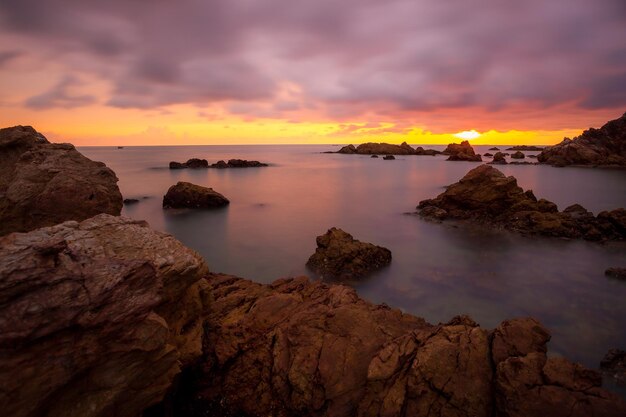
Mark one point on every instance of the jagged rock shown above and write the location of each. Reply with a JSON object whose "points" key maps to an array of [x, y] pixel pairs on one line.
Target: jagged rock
{"points": [[389, 157], [487, 196], [616, 273], [193, 163], [349, 149], [340, 256], [613, 365], [384, 149], [461, 152], [96, 318], [301, 348], [518, 155], [498, 159], [524, 148], [238, 163], [42, 184], [188, 195], [598, 147]]}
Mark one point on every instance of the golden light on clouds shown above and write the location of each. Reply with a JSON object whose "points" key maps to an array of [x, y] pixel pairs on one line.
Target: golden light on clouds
{"points": [[467, 134]]}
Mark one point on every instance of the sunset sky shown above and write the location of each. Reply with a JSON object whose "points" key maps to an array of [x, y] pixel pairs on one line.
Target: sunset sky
{"points": [[156, 72]]}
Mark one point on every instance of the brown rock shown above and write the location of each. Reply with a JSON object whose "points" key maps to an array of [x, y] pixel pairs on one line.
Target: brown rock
{"points": [[498, 159], [524, 148], [340, 256], [349, 149], [42, 184], [96, 318], [238, 163], [461, 152], [616, 273], [518, 155], [494, 149], [389, 157], [613, 365], [193, 163], [187, 195], [384, 149]]}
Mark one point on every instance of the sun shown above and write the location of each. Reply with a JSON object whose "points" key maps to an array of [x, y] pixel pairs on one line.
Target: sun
{"points": [[467, 134]]}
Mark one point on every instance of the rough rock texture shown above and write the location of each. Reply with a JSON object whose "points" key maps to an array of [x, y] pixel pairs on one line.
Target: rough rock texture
{"points": [[616, 273], [301, 348], [461, 152], [238, 163], [518, 155], [96, 318], [188, 195], [613, 365], [524, 148], [487, 196], [498, 159], [596, 147], [193, 163], [42, 184], [340, 256]]}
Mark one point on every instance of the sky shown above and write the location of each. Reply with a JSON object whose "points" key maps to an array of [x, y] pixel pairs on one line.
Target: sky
{"points": [[139, 72]]}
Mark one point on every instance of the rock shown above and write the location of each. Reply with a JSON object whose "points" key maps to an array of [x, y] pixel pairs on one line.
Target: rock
{"points": [[96, 318], [461, 152], [374, 156], [302, 348], [349, 149], [518, 155], [340, 256], [498, 159], [130, 201], [42, 184], [219, 164], [524, 148], [597, 147], [389, 157], [494, 149], [613, 365], [177, 165], [487, 196], [238, 163], [193, 163], [488, 154], [616, 273], [384, 149], [430, 152], [187, 195]]}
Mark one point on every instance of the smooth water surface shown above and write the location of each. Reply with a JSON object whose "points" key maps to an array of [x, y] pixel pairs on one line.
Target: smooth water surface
{"points": [[438, 270]]}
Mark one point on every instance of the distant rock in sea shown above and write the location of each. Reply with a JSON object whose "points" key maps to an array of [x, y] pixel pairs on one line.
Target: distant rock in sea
{"points": [[486, 195], [488, 154], [498, 159], [374, 156], [525, 148], [461, 152], [518, 155], [43, 183], [494, 149], [130, 201], [340, 256], [389, 157], [193, 163], [188, 195], [238, 163], [371, 148], [595, 147]]}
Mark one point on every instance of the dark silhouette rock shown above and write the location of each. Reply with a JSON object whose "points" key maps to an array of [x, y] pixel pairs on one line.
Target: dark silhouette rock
{"points": [[372, 148], [613, 365], [374, 156], [42, 184], [494, 149], [340, 256], [461, 152], [238, 163], [524, 148], [193, 163], [430, 152], [616, 273], [349, 149], [130, 201], [485, 195], [596, 147], [488, 154], [100, 322], [188, 195], [389, 157], [498, 159], [177, 165], [219, 164], [518, 155]]}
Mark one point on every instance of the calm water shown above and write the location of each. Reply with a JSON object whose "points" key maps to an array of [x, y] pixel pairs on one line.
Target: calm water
{"points": [[438, 271]]}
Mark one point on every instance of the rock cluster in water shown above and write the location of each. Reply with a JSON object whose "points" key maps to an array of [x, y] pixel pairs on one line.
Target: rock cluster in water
{"points": [[340, 256], [461, 152], [597, 147], [486, 195], [196, 163], [188, 195], [42, 184], [524, 148], [371, 148], [498, 159]]}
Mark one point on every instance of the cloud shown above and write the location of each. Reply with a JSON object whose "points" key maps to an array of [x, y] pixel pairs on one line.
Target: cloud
{"points": [[61, 96], [396, 59]]}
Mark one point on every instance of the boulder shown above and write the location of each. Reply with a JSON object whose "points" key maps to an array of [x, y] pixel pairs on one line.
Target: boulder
{"points": [[389, 157], [349, 149], [188, 195], [487, 196], [340, 256], [42, 184], [498, 159], [461, 152], [613, 365], [96, 318], [518, 155], [596, 147]]}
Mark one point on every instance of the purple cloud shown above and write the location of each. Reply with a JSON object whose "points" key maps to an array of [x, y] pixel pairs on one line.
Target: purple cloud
{"points": [[61, 96]]}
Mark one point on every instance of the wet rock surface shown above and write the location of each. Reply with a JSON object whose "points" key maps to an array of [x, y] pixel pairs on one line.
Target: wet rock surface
{"points": [[341, 257], [461, 152], [188, 195], [605, 146], [96, 318], [42, 184], [485, 195]]}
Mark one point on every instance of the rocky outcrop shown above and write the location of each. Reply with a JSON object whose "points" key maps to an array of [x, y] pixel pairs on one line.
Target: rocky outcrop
{"points": [[461, 152], [518, 155], [487, 196], [524, 148], [188, 195], [371, 148], [498, 159], [302, 348], [193, 163], [613, 365], [42, 184], [340, 256], [238, 163], [596, 147], [430, 152], [494, 149], [349, 149], [96, 318], [374, 156], [488, 154], [389, 157]]}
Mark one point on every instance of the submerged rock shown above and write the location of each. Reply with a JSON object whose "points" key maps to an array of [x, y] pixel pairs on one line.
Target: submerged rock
{"points": [[487, 196], [130, 201], [461, 152], [374, 156], [421, 151], [389, 157], [518, 155], [597, 147], [42, 184], [96, 318], [188, 195], [488, 154], [340, 256]]}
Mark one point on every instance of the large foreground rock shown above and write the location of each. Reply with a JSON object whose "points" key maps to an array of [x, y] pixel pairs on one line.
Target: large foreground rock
{"points": [[487, 196], [461, 152], [301, 348], [96, 318], [340, 256], [42, 184], [598, 147], [188, 195]]}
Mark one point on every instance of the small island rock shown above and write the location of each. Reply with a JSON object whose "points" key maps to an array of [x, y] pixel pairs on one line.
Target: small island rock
{"points": [[188, 195]]}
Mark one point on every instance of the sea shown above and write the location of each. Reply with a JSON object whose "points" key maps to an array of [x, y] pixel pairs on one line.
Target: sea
{"points": [[438, 270]]}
